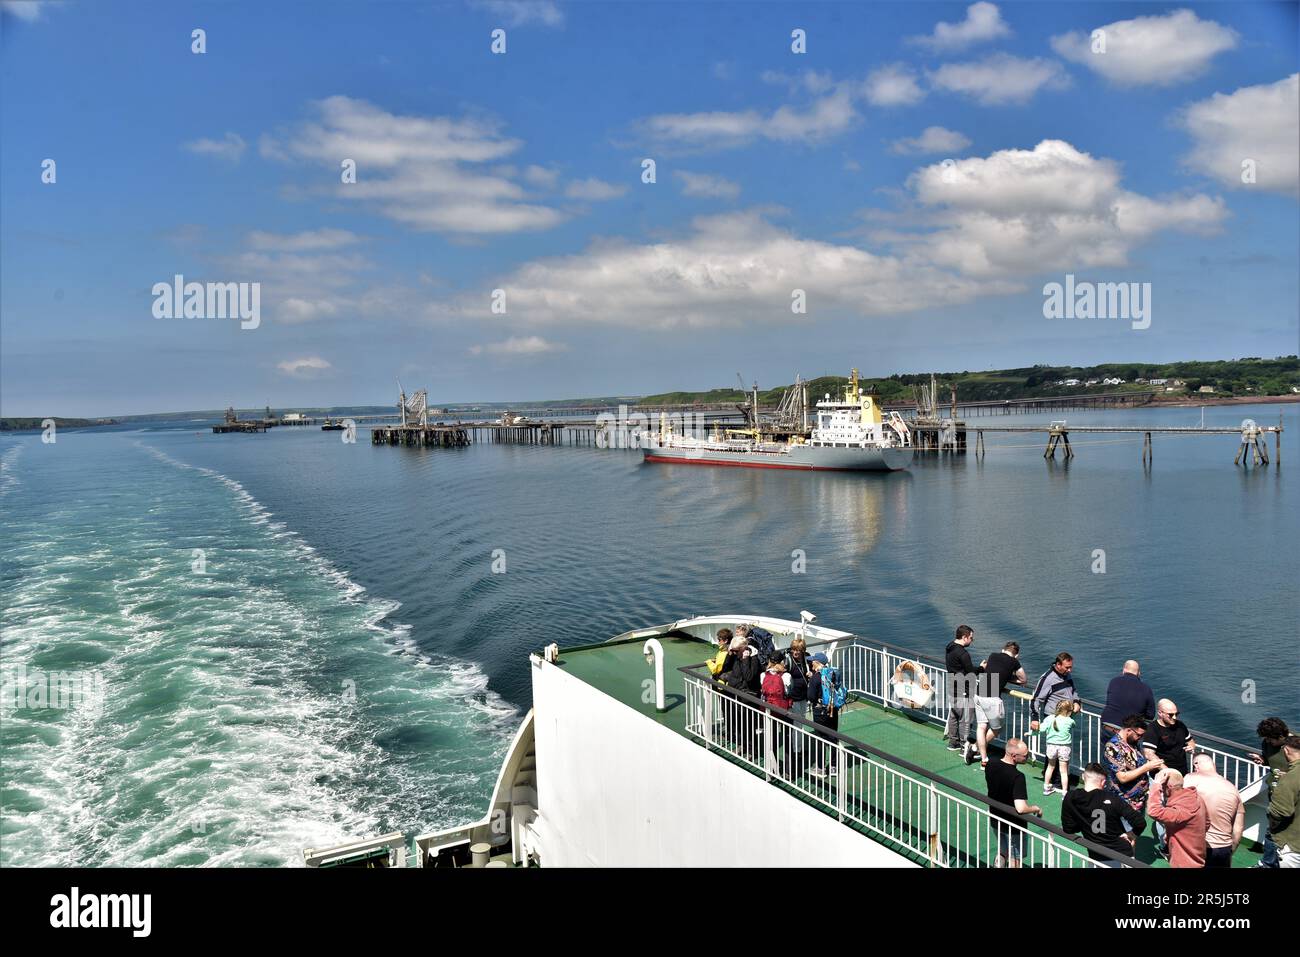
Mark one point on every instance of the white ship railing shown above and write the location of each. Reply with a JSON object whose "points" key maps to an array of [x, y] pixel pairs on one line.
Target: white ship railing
{"points": [[941, 823], [868, 667]]}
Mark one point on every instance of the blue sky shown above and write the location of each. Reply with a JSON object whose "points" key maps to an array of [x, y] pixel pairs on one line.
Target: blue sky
{"points": [[920, 172]]}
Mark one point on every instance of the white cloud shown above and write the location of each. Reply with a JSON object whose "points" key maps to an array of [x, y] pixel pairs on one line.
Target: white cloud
{"points": [[731, 268], [517, 346], [982, 226], [425, 172], [542, 177], [306, 276], [809, 81], [1000, 78], [707, 185], [1150, 51], [230, 147], [892, 85], [307, 241], [593, 189], [304, 368], [518, 13], [823, 117], [934, 139], [1017, 212], [29, 10], [1260, 123], [983, 22]]}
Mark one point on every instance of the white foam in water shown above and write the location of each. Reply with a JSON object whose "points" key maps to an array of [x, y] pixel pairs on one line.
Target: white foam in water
{"points": [[216, 715], [8, 480]]}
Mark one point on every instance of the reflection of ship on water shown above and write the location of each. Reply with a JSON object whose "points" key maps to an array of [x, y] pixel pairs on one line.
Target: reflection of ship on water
{"points": [[848, 435], [847, 516]]}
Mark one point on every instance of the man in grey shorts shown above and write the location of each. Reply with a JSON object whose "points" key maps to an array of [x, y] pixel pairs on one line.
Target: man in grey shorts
{"points": [[1002, 668]]}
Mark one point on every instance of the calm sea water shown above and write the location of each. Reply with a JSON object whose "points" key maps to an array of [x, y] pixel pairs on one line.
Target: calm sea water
{"points": [[350, 663]]}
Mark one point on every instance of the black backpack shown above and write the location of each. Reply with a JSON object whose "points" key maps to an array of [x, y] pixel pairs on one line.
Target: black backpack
{"points": [[760, 639]]}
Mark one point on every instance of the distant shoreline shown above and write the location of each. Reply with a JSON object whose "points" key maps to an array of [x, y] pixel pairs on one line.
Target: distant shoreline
{"points": [[1188, 401]]}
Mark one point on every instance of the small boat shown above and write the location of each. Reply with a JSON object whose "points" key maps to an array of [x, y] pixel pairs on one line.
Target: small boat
{"points": [[333, 425]]}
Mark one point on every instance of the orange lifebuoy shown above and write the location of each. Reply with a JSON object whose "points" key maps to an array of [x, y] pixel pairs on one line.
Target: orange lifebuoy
{"points": [[920, 680], [921, 677]]}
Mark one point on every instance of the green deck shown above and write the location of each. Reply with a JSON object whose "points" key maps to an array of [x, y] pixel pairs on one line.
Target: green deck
{"points": [[619, 670]]}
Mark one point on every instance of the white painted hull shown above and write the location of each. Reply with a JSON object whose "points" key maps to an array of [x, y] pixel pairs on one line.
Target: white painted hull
{"points": [[806, 457]]}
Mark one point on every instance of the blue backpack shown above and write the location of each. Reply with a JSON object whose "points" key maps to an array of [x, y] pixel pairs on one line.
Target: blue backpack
{"points": [[834, 694]]}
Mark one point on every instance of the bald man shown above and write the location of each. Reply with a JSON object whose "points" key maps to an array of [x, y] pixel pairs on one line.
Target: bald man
{"points": [[1168, 738], [1127, 694], [1182, 812], [1223, 805], [1007, 786]]}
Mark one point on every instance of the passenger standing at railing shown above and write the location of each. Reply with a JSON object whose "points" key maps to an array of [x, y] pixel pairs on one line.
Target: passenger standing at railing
{"points": [[1127, 694], [719, 660], [1273, 733], [962, 677], [1101, 816], [1126, 766], [1001, 670], [1182, 813], [743, 670], [1058, 734], [1168, 738], [776, 694], [1227, 815], [1055, 685], [799, 668], [823, 690], [1006, 785], [1284, 807]]}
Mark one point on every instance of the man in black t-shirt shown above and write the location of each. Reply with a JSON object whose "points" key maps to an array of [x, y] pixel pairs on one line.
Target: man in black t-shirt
{"points": [[1007, 785], [1001, 669], [1100, 816], [1168, 738]]}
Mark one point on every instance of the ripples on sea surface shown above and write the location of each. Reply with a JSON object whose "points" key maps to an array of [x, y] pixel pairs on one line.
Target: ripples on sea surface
{"points": [[351, 665]]}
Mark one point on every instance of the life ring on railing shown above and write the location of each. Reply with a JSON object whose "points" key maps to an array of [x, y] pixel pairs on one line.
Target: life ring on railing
{"points": [[912, 686]]}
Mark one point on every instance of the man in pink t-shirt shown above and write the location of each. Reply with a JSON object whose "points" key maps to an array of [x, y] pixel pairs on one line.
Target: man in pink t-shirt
{"points": [[1223, 807], [1183, 814]]}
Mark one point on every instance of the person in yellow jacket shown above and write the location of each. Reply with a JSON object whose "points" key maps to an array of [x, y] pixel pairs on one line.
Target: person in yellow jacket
{"points": [[718, 661]]}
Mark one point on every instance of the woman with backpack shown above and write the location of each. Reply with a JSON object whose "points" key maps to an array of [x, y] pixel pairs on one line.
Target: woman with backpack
{"points": [[800, 670], [827, 694], [776, 694]]}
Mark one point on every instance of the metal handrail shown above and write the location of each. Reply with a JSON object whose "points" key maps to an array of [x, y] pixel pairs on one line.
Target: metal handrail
{"points": [[707, 683], [942, 666], [1238, 768]]}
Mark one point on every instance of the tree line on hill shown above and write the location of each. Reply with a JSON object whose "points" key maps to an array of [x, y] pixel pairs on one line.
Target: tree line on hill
{"points": [[1229, 377]]}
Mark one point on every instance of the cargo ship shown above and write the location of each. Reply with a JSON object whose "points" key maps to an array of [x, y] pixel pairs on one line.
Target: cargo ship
{"points": [[632, 755], [849, 434]]}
